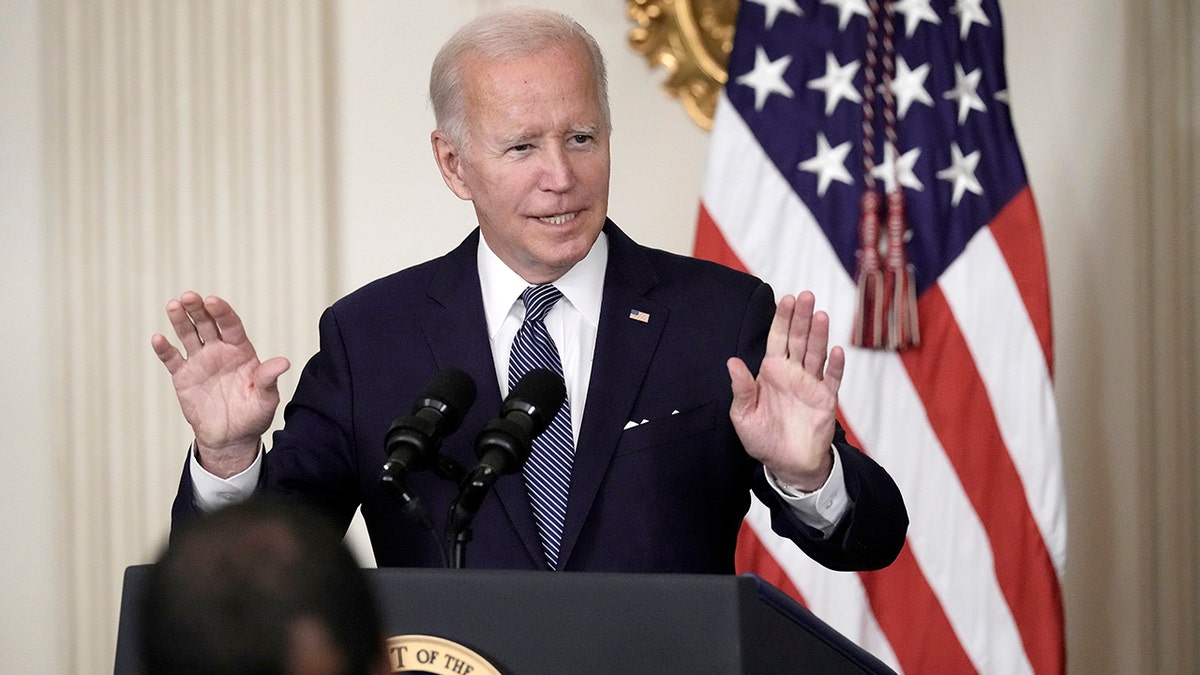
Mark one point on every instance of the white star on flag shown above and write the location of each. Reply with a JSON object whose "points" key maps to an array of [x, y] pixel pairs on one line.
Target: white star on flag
{"points": [[965, 91], [829, 164], [767, 77], [969, 11], [908, 86], [837, 82], [961, 172], [915, 11], [774, 7], [898, 167], [847, 9]]}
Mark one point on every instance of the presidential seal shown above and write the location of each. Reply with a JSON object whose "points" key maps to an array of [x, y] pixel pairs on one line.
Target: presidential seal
{"points": [[436, 656]]}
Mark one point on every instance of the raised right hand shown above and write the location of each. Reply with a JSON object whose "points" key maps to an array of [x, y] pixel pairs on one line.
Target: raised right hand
{"points": [[227, 395]]}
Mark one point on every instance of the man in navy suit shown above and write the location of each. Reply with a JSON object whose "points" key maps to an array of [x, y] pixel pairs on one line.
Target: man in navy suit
{"points": [[686, 385]]}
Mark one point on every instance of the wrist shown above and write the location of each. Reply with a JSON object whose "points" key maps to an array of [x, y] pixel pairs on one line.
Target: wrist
{"points": [[227, 460], [805, 482]]}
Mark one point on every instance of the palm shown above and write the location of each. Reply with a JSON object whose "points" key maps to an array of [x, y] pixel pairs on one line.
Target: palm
{"points": [[794, 410], [786, 417], [227, 395], [220, 400]]}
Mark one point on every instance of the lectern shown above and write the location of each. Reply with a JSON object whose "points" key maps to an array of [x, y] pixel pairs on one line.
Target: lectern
{"points": [[574, 623]]}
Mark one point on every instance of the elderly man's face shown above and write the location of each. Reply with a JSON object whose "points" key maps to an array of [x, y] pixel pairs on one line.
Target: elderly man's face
{"points": [[536, 164]]}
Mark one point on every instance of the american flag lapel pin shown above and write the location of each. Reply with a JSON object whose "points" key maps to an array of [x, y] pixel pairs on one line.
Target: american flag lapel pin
{"points": [[639, 315]]}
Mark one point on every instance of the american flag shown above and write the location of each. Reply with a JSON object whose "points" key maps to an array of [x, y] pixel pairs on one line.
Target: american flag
{"points": [[962, 415]]}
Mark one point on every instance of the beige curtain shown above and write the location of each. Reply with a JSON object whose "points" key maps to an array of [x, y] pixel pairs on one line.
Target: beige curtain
{"points": [[1169, 101], [189, 146]]}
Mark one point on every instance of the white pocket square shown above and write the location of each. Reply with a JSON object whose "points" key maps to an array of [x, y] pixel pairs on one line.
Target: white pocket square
{"points": [[631, 423]]}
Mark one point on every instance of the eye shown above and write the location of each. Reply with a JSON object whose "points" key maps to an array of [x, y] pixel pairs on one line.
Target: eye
{"points": [[581, 139], [521, 147]]}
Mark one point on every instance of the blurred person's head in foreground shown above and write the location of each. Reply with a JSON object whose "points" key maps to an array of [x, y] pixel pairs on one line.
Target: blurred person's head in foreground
{"points": [[265, 586]]}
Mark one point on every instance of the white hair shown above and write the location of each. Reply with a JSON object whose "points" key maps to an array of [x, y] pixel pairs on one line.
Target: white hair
{"points": [[505, 35]]}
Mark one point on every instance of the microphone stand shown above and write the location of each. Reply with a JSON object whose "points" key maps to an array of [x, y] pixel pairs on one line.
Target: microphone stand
{"points": [[458, 550], [471, 492], [446, 469]]}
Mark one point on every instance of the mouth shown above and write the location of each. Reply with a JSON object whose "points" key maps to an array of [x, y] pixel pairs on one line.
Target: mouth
{"points": [[559, 219]]}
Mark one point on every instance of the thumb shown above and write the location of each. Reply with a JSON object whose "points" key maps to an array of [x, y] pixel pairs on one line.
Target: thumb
{"points": [[741, 381], [266, 376]]}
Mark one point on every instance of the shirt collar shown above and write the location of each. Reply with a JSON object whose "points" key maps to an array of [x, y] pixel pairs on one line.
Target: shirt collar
{"points": [[582, 285]]}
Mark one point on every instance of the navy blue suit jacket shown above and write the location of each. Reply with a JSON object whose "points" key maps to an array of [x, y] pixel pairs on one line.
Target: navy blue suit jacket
{"points": [[664, 496]]}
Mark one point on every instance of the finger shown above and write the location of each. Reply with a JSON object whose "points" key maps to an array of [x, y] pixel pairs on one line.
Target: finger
{"points": [[798, 335], [777, 338], [184, 328], [227, 321], [818, 344], [837, 366], [266, 376], [206, 327], [167, 353], [741, 382]]}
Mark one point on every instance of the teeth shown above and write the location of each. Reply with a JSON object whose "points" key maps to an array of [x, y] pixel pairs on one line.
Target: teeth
{"points": [[557, 220]]}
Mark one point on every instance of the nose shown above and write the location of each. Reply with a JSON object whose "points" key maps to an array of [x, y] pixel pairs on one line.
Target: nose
{"points": [[558, 174]]}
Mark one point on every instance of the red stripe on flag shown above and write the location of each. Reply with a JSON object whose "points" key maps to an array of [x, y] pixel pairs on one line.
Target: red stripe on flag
{"points": [[710, 243], [909, 613], [911, 617], [752, 556], [1018, 234], [948, 383]]}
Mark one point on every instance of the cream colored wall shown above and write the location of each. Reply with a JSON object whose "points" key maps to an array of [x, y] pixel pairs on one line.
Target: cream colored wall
{"points": [[1069, 76], [1078, 78], [31, 571]]}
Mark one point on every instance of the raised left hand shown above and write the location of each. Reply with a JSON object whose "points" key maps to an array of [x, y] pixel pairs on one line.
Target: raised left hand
{"points": [[787, 415]]}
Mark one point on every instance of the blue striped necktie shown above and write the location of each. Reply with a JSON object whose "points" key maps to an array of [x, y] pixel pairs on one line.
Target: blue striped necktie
{"points": [[548, 470]]}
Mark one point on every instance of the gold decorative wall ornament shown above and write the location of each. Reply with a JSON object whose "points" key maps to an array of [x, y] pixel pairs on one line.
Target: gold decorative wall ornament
{"points": [[692, 40]]}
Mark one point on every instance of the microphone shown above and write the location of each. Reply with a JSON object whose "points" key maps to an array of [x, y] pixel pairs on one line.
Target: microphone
{"points": [[504, 444], [413, 441]]}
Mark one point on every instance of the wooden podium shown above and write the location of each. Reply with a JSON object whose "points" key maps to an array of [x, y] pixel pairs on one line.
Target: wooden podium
{"points": [[543, 623]]}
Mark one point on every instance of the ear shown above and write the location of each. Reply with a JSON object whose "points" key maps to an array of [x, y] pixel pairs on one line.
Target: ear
{"points": [[449, 161]]}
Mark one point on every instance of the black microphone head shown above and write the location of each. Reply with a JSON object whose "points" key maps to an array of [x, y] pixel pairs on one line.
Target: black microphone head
{"points": [[451, 392], [539, 394]]}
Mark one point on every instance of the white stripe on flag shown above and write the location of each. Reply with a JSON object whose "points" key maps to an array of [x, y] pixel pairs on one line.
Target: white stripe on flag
{"points": [[985, 301], [945, 534]]}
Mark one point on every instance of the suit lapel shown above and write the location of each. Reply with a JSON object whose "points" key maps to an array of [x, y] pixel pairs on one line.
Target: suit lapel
{"points": [[624, 349], [455, 326]]}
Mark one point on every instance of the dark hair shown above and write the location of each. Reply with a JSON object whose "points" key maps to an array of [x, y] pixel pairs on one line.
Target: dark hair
{"points": [[230, 588]]}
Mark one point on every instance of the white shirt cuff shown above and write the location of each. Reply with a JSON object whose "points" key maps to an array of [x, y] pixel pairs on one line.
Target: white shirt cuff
{"points": [[823, 508], [212, 492]]}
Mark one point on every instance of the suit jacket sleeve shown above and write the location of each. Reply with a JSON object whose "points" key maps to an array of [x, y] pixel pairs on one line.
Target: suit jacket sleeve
{"points": [[871, 533]]}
